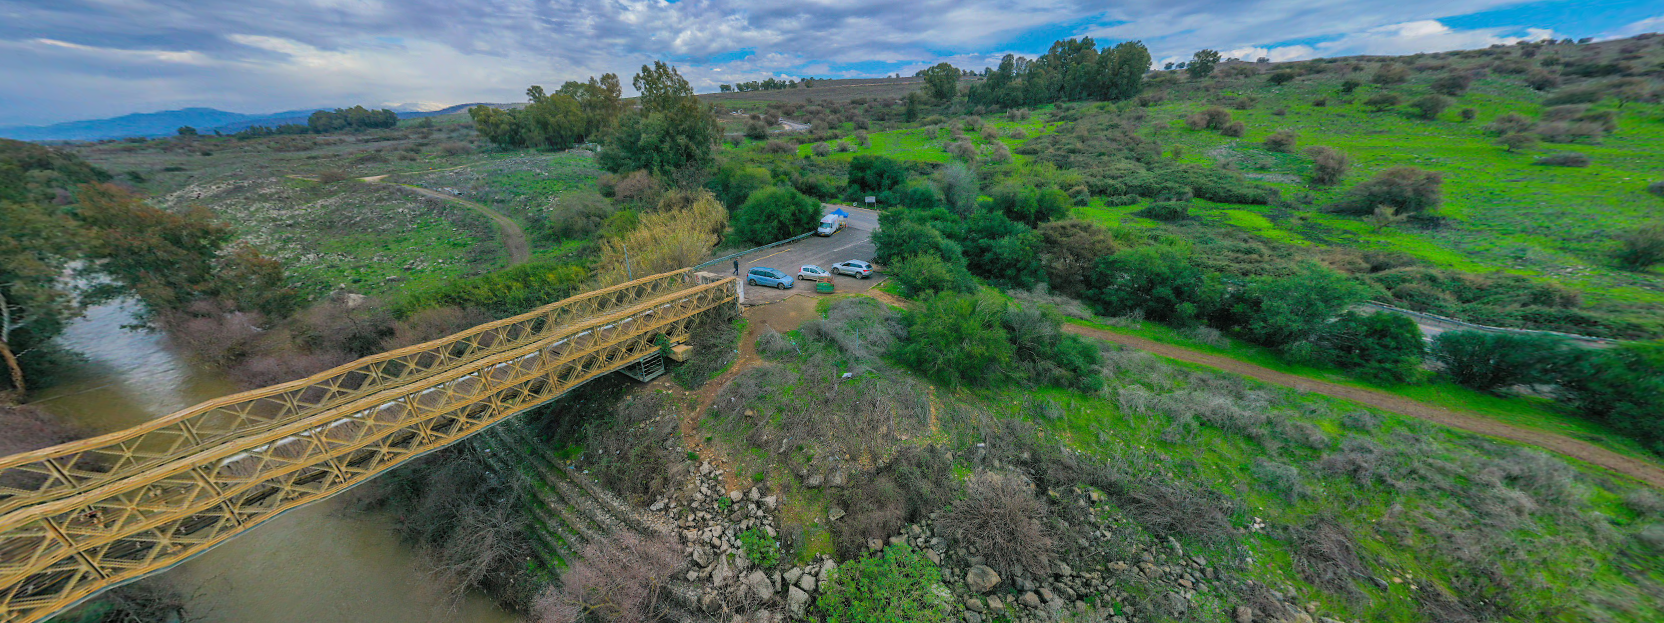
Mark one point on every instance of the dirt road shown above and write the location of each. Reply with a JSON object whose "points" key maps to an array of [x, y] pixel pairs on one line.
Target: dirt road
{"points": [[1637, 468]]}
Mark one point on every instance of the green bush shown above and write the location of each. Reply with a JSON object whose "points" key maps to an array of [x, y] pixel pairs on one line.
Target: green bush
{"points": [[1378, 346], [1278, 311], [895, 587], [1002, 251], [776, 213], [1491, 361], [734, 183], [926, 274], [760, 548], [1158, 281], [1622, 386], [1406, 189], [503, 293], [1168, 211], [1205, 183], [957, 338], [1045, 355]]}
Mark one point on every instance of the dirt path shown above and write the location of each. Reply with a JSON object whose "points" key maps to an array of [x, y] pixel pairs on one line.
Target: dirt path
{"points": [[1592, 454], [514, 238]]}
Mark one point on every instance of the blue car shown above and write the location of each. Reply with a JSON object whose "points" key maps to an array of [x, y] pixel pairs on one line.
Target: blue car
{"points": [[768, 277]]}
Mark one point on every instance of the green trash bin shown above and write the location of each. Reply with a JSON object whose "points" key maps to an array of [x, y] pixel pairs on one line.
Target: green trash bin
{"points": [[823, 287]]}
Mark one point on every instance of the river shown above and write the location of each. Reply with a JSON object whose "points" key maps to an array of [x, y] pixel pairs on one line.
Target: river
{"points": [[315, 564]]}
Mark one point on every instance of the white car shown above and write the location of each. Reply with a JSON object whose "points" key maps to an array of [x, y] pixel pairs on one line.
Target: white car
{"points": [[853, 268], [811, 272]]}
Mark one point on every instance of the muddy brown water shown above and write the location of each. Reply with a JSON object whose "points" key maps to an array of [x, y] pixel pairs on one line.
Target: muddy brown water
{"points": [[315, 564]]}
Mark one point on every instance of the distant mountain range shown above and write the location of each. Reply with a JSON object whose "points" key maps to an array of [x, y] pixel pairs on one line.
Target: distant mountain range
{"points": [[168, 122]]}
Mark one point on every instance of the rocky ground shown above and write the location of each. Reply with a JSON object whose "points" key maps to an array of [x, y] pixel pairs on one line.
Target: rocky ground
{"points": [[1158, 581]]}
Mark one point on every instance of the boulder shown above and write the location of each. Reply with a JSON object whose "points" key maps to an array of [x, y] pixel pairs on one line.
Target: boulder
{"points": [[826, 571], [797, 601], [974, 605], [759, 584], [723, 572], [834, 514], [981, 578], [807, 582], [1029, 600], [793, 574], [995, 605]]}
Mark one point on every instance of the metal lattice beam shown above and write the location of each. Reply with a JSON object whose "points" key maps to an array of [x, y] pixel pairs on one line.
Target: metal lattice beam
{"points": [[86, 516]]}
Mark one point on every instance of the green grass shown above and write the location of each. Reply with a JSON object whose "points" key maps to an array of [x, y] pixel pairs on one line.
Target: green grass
{"points": [[1526, 412]]}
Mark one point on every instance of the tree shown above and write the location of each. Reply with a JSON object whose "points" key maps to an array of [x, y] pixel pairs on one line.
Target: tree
{"points": [[776, 213], [1281, 78], [1641, 248], [1329, 165], [621, 579], [1379, 346], [1202, 63], [1278, 311], [955, 339], [1518, 141], [1489, 362], [959, 187], [1158, 281], [1003, 251], [1069, 249], [734, 183], [1621, 386], [942, 80], [927, 274], [186, 130], [672, 129], [875, 175], [1408, 190], [1429, 106]]}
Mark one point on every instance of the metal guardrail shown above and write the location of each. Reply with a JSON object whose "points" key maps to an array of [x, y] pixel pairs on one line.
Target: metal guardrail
{"points": [[1479, 327], [733, 256]]}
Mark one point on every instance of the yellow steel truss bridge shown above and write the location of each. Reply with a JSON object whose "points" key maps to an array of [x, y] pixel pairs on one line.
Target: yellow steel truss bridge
{"points": [[82, 517]]}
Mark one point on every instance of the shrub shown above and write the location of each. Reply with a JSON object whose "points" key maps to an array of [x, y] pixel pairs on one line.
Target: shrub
{"points": [[1621, 386], [1379, 346], [1047, 356], [778, 147], [775, 213], [755, 130], [1511, 123], [1329, 165], [1159, 281], [1656, 188], [1282, 141], [1563, 159], [620, 579], [957, 338], [1325, 556], [1542, 80], [1390, 74], [1234, 129], [1279, 478], [1002, 518], [760, 548], [1489, 362], [1197, 121], [331, 177], [1452, 84], [1469, 114], [1641, 248], [1429, 106], [1382, 101], [1281, 78], [962, 149], [1406, 189], [820, 150], [1574, 96], [895, 587], [1179, 509], [1518, 141], [1217, 118], [926, 274], [1168, 211], [1278, 311], [503, 293]]}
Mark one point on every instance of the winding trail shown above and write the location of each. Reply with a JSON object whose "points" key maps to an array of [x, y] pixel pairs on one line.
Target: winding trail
{"points": [[1639, 469], [514, 238]]}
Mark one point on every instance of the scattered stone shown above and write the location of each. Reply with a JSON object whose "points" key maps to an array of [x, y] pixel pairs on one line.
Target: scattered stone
{"points": [[995, 605], [834, 514], [759, 584], [793, 574], [813, 482], [797, 601], [736, 495], [807, 582], [975, 605], [981, 578], [1029, 599]]}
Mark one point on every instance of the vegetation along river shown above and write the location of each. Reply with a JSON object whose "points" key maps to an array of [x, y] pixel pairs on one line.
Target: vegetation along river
{"points": [[316, 563]]}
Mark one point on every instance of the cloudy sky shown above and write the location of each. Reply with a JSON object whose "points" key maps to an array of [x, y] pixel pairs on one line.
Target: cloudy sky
{"points": [[75, 59]]}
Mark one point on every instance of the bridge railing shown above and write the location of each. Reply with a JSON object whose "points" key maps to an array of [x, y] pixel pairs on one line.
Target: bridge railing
{"points": [[43, 474], [59, 551]]}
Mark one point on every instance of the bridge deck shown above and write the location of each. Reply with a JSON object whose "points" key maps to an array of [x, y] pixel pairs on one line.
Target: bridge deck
{"points": [[82, 517]]}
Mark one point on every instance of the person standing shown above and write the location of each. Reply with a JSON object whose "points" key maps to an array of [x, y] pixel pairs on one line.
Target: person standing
{"points": [[736, 268]]}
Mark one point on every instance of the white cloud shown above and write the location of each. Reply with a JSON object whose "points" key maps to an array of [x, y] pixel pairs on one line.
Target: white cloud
{"points": [[1651, 24]]}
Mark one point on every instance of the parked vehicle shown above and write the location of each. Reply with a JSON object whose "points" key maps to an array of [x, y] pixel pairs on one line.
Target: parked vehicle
{"points": [[830, 224], [853, 268], [761, 276], [811, 272]]}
